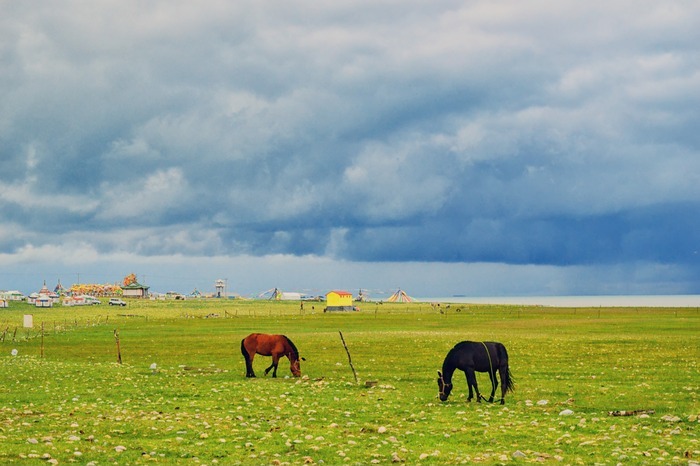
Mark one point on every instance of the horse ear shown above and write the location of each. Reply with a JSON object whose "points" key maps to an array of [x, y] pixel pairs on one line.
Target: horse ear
{"points": [[439, 374]]}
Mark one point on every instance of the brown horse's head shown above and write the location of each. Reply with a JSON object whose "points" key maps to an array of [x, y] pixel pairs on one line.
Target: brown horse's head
{"points": [[295, 364], [444, 388], [295, 367]]}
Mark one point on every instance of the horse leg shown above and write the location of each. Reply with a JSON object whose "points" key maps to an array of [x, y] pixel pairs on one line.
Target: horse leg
{"points": [[469, 386], [275, 360], [249, 365], [248, 355], [503, 370], [275, 363], [274, 374], [471, 381], [494, 385]]}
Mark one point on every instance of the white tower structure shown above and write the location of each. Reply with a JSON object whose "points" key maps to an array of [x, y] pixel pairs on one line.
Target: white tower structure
{"points": [[220, 286]]}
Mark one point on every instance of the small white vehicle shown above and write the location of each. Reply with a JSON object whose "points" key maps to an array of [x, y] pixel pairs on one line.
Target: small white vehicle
{"points": [[116, 302]]}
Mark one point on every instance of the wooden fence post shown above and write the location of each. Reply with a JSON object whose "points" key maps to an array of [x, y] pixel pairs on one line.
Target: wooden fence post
{"points": [[348, 352], [119, 350]]}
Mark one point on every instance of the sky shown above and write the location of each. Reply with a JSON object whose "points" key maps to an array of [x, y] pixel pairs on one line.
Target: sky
{"points": [[461, 147]]}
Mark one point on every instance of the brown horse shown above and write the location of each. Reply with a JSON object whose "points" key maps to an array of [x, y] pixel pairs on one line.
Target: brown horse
{"points": [[276, 346]]}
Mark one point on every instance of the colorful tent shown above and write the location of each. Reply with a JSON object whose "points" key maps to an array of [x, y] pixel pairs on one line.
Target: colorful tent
{"points": [[399, 296], [362, 296], [275, 294], [59, 290]]}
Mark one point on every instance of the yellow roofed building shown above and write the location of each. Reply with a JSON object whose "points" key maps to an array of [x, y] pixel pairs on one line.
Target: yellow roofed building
{"points": [[338, 300]]}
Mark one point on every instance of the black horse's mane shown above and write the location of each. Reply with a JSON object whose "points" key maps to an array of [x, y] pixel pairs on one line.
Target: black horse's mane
{"points": [[463, 343], [294, 348], [459, 345]]}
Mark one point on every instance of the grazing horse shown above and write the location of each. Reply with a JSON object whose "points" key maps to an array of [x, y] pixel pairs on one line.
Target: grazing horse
{"points": [[471, 357], [276, 346]]}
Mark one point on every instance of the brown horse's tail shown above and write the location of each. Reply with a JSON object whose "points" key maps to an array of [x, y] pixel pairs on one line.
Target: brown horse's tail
{"points": [[506, 377], [248, 363], [244, 351]]}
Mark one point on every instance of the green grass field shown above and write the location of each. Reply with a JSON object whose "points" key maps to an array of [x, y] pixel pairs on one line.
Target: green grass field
{"points": [[65, 399]]}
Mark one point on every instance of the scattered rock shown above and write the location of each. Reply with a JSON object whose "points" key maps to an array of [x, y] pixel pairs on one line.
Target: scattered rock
{"points": [[519, 454], [670, 418], [395, 458], [566, 412], [636, 412], [543, 402]]}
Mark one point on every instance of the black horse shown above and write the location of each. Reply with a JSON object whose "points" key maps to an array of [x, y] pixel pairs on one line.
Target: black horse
{"points": [[476, 356]]}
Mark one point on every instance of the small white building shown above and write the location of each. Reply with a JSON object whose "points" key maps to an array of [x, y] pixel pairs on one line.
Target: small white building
{"points": [[43, 301], [13, 295], [44, 298], [135, 290]]}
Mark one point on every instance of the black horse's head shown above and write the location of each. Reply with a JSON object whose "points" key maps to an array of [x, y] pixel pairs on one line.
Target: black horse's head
{"points": [[444, 388]]}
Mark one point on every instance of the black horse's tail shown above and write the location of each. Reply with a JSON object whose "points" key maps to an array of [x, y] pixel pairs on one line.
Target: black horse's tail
{"points": [[507, 379]]}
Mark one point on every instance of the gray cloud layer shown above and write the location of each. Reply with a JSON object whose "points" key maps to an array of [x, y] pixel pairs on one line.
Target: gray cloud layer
{"points": [[510, 133]]}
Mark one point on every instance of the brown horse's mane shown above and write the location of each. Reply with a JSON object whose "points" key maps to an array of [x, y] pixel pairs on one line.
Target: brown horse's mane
{"points": [[294, 348]]}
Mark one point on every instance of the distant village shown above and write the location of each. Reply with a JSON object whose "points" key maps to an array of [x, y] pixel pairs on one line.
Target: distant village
{"points": [[82, 294], [86, 294]]}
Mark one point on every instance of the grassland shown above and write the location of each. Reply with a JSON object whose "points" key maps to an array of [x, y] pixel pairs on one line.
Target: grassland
{"points": [[65, 399]]}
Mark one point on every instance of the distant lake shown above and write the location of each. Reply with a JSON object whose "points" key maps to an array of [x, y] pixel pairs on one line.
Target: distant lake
{"points": [[578, 301]]}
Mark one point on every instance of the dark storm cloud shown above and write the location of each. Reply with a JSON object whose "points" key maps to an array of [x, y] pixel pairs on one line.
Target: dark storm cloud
{"points": [[515, 134]]}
